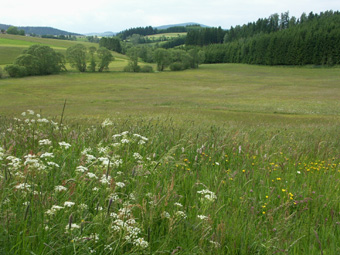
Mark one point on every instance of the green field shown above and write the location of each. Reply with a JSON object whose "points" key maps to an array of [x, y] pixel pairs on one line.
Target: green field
{"points": [[167, 35], [224, 159], [11, 46]]}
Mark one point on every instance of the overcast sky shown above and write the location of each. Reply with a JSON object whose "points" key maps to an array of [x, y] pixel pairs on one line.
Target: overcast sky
{"points": [[116, 15]]}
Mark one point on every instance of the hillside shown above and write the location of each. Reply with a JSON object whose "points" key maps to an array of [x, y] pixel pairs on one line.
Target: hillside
{"points": [[40, 30], [11, 46]]}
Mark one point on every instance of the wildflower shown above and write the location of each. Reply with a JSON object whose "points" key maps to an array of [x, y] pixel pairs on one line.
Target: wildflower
{"points": [[72, 226], [120, 184], [45, 142], [178, 204], [107, 122], [166, 215], [50, 163], [124, 140], [23, 186], [65, 145], [69, 204], [181, 214], [202, 217], [30, 112], [81, 169], [209, 195], [105, 180], [60, 188], [91, 175], [140, 242], [83, 206], [47, 155]]}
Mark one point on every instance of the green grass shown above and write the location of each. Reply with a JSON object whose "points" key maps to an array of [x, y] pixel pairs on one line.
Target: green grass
{"points": [[262, 142]]}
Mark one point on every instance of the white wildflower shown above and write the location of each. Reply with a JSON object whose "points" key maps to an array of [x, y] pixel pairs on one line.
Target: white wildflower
{"points": [[166, 215], [91, 175], [73, 226], [50, 163], [45, 142], [23, 186], [107, 122], [47, 155], [105, 180], [60, 188], [31, 112], [140, 242], [65, 145], [202, 217], [181, 214], [178, 204], [120, 184], [124, 140], [69, 204], [81, 169]]}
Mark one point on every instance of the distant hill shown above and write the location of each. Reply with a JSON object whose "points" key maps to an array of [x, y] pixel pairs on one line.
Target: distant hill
{"points": [[180, 25], [40, 30]]}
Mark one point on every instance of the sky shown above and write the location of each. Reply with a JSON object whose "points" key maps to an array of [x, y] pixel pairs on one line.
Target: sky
{"points": [[117, 15]]}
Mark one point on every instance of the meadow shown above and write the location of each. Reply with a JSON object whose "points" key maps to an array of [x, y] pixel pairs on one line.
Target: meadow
{"points": [[225, 159]]}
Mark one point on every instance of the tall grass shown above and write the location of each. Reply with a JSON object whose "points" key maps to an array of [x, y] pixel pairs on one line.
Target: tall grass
{"points": [[153, 186]]}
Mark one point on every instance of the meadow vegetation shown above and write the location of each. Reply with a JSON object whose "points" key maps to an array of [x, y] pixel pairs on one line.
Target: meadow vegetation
{"points": [[227, 159]]}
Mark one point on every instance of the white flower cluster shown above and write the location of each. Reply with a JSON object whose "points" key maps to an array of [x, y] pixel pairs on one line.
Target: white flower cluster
{"points": [[208, 195], [106, 123]]}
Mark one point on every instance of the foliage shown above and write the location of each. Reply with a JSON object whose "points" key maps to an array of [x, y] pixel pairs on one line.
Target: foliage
{"points": [[177, 41], [147, 186], [310, 40], [205, 36], [105, 58], [92, 66], [162, 58], [1, 73], [45, 59], [146, 69], [111, 43], [15, 31], [132, 66], [15, 71], [177, 66], [37, 60], [76, 55]]}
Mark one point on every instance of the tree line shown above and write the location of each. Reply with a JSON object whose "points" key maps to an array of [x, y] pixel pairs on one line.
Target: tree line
{"points": [[43, 60], [312, 39]]}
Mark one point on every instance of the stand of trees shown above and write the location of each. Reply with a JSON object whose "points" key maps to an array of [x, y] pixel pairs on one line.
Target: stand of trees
{"points": [[37, 60], [111, 43], [312, 39]]}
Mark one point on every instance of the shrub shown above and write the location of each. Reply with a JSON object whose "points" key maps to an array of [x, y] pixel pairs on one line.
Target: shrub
{"points": [[0, 72], [132, 68], [15, 70], [176, 66], [146, 69]]}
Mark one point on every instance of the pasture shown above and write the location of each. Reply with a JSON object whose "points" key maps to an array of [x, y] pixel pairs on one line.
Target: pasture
{"points": [[225, 159]]}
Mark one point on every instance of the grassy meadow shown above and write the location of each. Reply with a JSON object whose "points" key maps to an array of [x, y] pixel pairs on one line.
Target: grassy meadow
{"points": [[225, 159]]}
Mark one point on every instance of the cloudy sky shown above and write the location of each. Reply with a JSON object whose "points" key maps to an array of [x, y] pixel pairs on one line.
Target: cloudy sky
{"points": [[116, 15]]}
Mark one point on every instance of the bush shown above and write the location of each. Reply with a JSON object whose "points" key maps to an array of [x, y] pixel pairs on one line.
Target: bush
{"points": [[0, 72], [146, 69], [177, 66], [132, 68], [15, 70]]}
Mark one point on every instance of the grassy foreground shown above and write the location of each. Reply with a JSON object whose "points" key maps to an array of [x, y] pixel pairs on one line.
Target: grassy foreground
{"points": [[227, 159]]}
